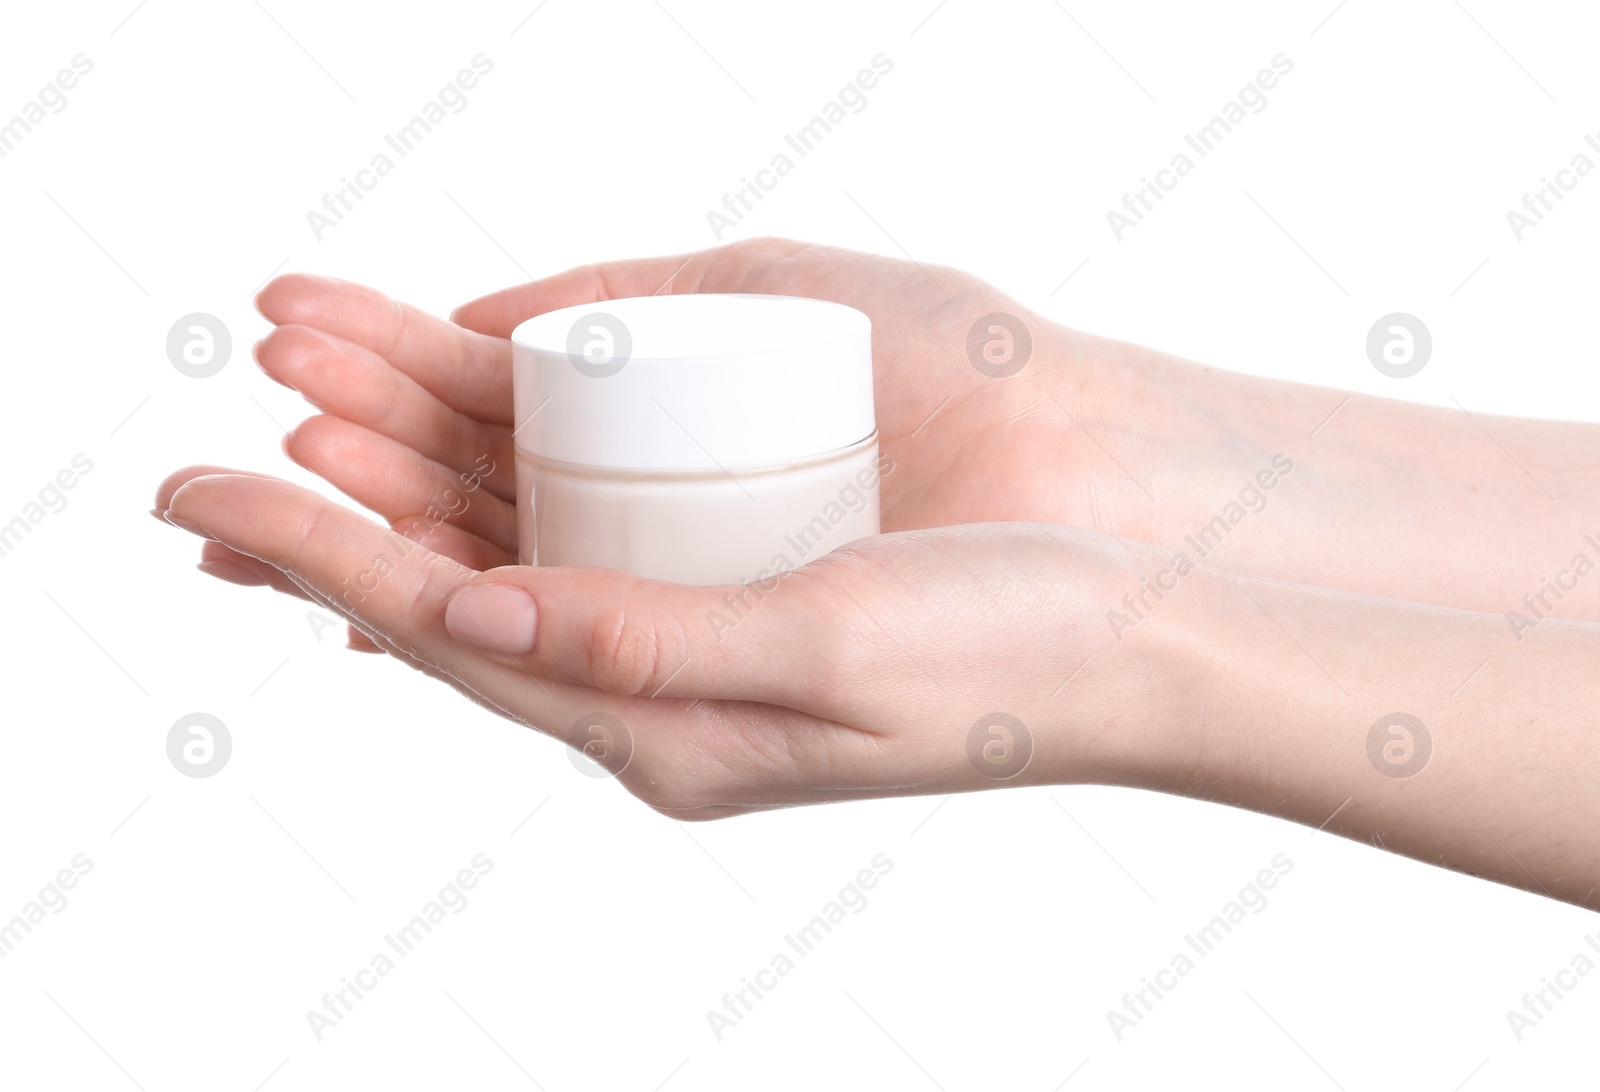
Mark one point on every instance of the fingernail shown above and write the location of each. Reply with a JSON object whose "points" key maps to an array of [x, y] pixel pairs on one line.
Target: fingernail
{"points": [[232, 572], [192, 528], [493, 618]]}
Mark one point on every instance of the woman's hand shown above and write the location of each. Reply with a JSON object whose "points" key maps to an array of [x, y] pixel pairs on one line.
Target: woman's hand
{"points": [[985, 655], [920, 662], [410, 401]]}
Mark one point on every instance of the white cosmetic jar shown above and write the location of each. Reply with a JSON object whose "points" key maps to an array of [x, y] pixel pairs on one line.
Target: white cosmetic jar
{"points": [[703, 439]]}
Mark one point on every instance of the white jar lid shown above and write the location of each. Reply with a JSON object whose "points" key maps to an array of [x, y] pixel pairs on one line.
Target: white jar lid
{"points": [[693, 382]]}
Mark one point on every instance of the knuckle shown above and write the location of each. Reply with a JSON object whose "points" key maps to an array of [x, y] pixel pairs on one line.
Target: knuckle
{"points": [[630, 651], [759, 246], [430, 584], [751, 261]]}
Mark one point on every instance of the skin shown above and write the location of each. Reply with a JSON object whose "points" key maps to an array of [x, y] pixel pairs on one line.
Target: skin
{"points": [[1023, 516]]}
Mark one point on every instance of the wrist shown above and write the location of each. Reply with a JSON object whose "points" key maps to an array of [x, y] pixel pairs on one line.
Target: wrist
{"points": [[1147, 666]]}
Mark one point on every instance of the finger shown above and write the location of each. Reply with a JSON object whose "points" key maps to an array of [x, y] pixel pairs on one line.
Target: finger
{"points": [[231, 572], [178, 478], [356, 641], [740, 267], [397, 483], [351, 381], [466, 370], [447, 540], [229, 565], [382, 579], [396, 592], [219, 561], [216, 559], [634, 637]]}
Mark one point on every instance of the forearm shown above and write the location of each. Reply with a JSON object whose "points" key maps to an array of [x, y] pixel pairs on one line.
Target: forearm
{"points": [[1292, 694], [1415, 502]]}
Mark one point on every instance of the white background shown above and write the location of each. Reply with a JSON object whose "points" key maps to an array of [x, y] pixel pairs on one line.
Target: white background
{"points": [[219, 911]]}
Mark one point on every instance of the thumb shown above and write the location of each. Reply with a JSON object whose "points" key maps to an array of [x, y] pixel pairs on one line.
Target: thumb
{"points": [[630, 636], [745, 266]]}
